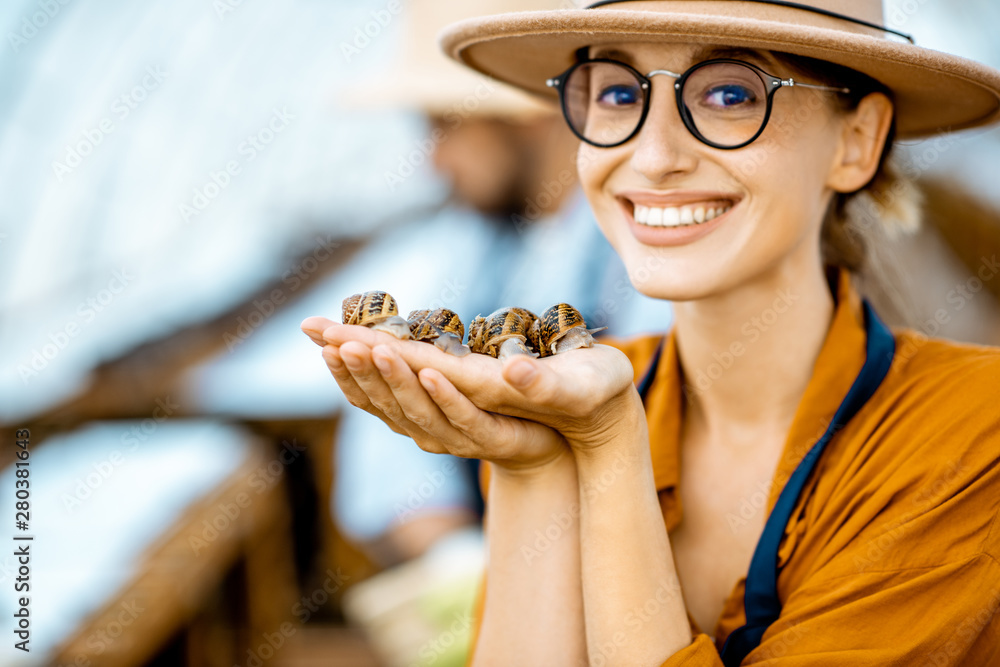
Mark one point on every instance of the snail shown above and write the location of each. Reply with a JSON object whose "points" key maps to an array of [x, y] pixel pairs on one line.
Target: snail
{"points": [[562, 328], [440, 327], [503, 333], [376, 310]]}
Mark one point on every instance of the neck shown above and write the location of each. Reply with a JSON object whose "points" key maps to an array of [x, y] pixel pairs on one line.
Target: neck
{"points": [[747, 355]]}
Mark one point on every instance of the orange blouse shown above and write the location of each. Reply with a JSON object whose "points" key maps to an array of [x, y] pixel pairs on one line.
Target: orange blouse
{"points": [[892, 555]]}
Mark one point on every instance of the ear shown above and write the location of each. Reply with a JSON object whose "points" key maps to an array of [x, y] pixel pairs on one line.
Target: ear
{"points": [[864, 134]]}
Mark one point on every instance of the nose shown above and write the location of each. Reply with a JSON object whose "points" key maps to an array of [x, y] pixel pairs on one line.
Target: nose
{"points": [[663, 147]]}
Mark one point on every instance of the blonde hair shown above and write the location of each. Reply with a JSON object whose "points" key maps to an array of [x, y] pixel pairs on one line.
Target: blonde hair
{"points": [[861, 231], [861, 228]]}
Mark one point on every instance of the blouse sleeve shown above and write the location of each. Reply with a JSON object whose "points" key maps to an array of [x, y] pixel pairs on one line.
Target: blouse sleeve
{"points": [[936, 617], [939, 617]]}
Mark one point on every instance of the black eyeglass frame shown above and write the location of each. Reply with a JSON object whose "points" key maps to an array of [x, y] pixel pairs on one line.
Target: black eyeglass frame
{"points": [[771, 83]]}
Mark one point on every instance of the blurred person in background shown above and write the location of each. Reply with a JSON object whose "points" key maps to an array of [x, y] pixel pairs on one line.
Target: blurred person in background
{"points": [[510, 165]]}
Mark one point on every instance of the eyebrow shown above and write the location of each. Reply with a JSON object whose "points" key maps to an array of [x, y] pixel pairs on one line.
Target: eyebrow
{"points": [[613, 54], [706, 53], [753, 55]]}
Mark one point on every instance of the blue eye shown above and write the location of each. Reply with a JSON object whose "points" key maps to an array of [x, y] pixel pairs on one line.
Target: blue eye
{"points": [[619, 95], [729, 95]]}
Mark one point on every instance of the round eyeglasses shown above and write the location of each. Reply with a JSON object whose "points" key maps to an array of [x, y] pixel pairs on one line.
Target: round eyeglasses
{"points": [[724, 103]]}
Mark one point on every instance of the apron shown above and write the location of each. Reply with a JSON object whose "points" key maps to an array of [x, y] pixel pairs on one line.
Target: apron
{"points": [[761, 598]]}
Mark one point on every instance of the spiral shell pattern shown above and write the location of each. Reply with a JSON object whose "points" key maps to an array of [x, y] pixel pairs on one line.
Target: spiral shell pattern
{"points": [[487, 335], [376, 310], [429, 324], [562, 328], [369, 308]]}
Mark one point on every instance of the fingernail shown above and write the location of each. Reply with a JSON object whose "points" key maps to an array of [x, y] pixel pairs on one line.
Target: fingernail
{"points": [[522, 374], [382, 364], [430, 386]]}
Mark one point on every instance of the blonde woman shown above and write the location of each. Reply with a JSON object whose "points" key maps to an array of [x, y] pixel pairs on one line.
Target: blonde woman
{"points": [[780, 479]]}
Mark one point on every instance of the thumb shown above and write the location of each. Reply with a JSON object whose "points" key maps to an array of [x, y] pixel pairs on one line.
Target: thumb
{"points": [[532, 379]]}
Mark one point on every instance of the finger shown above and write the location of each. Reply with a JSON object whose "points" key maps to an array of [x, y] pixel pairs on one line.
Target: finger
{"points": [[562, 385], [532, 379], [338, 334], [358, 362], [417, 406], [354, 394], [314, 327], [480, 426], [475, 424]]}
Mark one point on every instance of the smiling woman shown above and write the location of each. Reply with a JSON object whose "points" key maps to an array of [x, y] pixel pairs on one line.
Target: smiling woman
{"points": [[781, 479]]}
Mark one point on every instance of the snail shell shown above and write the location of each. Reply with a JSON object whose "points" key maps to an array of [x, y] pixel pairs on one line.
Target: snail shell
{"points": [[376, 310], [533, 334], [441, 327], [502, 333], [562, 328]]}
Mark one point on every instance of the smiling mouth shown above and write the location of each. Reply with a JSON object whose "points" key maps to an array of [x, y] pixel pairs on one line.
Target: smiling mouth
{"points": [[679, 216]]}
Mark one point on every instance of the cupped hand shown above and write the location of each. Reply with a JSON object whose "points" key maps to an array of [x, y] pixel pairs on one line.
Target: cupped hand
{"points": [[586, 395], [427, 407]]}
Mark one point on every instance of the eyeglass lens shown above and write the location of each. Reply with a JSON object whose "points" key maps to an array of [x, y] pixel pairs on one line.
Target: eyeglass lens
{"points": [[725, 102]]}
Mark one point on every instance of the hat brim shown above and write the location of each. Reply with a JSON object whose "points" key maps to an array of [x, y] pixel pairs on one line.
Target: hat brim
{"points": [[934, 92]]}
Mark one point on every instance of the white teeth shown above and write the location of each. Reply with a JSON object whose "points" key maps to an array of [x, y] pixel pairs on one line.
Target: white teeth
{"points": [[675, 216]]}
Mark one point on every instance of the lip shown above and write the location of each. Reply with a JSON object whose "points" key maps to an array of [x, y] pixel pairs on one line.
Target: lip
{"points": [[673, 236]]}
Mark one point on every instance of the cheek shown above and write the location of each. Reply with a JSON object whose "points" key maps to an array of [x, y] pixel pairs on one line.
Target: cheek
{"points": [[594, 166]]}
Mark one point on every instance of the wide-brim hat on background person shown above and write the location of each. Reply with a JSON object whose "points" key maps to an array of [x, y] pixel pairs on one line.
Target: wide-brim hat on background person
{"points": [[933, 91], [421, 77]]}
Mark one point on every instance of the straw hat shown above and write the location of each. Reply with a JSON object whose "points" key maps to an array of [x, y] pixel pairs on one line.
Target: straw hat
{"points": [[934, 91], [422, 77]]}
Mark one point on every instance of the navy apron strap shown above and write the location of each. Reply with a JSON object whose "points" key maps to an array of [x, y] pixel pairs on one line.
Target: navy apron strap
{"points": [[647, 378], [761, 599]]}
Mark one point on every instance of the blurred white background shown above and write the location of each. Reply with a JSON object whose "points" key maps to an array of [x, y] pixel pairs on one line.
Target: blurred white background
{"points": [[114, 116]]}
